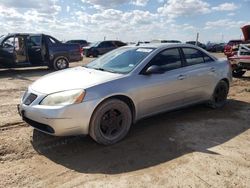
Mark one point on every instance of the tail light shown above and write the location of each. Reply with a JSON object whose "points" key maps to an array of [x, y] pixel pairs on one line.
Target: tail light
{"points": [[80, 49]]}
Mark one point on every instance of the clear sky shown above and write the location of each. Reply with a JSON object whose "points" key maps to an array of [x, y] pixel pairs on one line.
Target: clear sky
{"points": [[127, 20]]}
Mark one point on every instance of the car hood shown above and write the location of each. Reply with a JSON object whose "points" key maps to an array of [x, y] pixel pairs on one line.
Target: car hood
{"points": [[73, 78], [246, 32]]}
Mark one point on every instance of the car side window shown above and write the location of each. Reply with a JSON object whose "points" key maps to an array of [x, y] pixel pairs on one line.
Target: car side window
{"points": [[51, 41], [193, 56], [34, 41], [168, 59], [9, 43], [106, 44]]}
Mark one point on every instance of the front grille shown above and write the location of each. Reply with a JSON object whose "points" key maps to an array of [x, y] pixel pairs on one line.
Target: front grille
{"points": [[39, 126], [30, 99]]}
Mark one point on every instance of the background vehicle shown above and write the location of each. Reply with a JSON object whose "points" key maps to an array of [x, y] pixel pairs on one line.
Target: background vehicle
{"points": [[240, 58], [17, 50], [102, 47], [123, 86], [232, 46], [215, 47], [82, 43], [201, 45], [165, 41]]}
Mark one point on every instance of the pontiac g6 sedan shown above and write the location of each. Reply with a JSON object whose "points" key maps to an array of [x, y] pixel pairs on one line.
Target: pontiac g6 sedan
{"points": [[105, 97]]}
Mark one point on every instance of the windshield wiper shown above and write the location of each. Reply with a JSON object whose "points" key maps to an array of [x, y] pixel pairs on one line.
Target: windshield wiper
{"points": [[100, 69]]}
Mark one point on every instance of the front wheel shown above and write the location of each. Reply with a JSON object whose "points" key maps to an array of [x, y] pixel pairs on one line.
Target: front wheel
{"points": [[238, 73], [110, 122], [219, 97]]}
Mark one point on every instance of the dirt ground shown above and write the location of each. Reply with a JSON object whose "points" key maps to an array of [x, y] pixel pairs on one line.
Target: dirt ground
{"points": [[192, 147]]}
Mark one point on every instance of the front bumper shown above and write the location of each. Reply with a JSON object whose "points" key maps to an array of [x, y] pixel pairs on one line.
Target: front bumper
{"points": [[58, 120]]}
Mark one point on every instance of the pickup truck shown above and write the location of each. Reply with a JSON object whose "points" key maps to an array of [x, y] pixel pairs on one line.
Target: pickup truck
{"points": [[240, 59], [20, 50]]}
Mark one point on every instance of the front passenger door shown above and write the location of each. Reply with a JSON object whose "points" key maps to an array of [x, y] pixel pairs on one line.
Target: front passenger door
{"points": [[7, 50], [162, 92]]}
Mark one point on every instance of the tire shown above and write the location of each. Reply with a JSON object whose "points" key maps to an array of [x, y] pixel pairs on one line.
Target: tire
{"points": [[219, 97], [110, 122], [60, 63], [95, 53], [86, 53], [238, 73]]}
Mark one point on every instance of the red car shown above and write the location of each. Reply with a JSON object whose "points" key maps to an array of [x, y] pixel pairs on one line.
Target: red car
{"points": [[232, 47], [240, 60]]}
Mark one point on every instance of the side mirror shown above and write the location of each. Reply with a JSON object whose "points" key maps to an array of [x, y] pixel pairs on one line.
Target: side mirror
{"points": [[154, 69]]}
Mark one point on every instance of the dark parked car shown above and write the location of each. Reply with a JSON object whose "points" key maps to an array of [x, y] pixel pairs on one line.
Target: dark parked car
{"points": [[100, 48], [19, 50], [165, 41], [216, 47], [82, 43], [201, 45]]}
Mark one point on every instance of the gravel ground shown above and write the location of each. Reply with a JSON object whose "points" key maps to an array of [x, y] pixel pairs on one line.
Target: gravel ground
{"points": [[192, 147]]}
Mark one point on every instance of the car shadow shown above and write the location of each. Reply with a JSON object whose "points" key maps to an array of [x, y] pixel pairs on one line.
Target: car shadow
{"points": [[151, 141]]}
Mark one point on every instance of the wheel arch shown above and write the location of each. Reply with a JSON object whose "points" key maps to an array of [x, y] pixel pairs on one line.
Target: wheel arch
{"points": [[123, 98], [226, 80], [61, 56]]}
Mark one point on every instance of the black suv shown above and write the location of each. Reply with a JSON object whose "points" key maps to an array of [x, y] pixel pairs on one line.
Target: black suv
{"points": [[19, 50], [102, 47]]}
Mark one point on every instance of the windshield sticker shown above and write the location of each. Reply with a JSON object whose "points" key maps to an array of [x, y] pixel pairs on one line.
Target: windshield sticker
{"points": [[146, 50]]}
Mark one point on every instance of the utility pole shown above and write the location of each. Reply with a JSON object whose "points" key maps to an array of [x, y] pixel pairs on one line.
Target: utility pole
{"points": [[197, 39]]}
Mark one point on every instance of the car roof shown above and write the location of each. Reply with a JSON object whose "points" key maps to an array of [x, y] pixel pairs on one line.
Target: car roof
{"points": [[163, 45], [11, 34]]}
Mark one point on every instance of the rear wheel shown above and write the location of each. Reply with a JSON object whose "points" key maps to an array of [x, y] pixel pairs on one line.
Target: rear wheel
{"points": [[110, 122], [95, 53], [238, 73], [219, 97], [60, 63]]}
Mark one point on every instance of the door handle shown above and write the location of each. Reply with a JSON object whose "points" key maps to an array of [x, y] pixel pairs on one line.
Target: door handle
{"points": [[212, 69], [181, 77]]}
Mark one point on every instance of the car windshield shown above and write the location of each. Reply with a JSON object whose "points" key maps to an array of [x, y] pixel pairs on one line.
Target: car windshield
{"points": [[94, 44], [122, 60]]}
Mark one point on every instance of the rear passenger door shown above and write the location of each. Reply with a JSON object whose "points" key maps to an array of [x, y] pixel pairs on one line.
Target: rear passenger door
{"points": [[200, 75], [34, 44]]}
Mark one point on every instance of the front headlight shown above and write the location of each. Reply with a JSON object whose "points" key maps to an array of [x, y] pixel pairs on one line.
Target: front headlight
{"points": [[64, 98]]}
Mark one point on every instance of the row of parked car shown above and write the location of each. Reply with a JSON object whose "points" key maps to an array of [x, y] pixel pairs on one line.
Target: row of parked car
{"points": [[19, 49], [238, 53], [101, 47]]}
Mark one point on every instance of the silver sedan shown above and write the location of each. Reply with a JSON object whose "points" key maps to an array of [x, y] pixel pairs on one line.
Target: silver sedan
{"points": [[107, 96]]}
